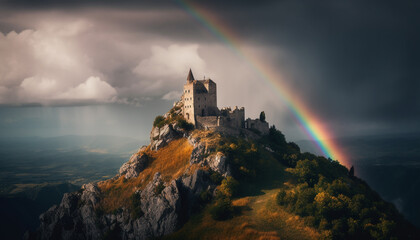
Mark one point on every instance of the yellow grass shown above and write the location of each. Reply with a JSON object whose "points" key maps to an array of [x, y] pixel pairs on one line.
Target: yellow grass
{"points": [[210, 138], [261, 218], [171, 161]]}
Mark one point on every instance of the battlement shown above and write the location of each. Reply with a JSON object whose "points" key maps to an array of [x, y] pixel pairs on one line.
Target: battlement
{"points": [[228, 110]]}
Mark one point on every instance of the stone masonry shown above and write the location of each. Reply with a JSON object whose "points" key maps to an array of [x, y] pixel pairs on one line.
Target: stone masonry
{"points": [[200, 108]]}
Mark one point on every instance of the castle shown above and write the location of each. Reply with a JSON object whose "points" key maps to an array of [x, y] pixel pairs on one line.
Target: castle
{"points": [[200, 108]]}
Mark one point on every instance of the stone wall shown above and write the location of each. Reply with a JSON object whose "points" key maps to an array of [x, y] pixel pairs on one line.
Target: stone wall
{"points": [[232, 118], [257, 124], [207, 122]]}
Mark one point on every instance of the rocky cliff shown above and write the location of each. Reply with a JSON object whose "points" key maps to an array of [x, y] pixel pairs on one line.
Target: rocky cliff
{"points": [[162, 206]]}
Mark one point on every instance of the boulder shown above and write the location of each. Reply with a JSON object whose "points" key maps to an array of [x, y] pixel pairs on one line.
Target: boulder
{"points": [[137, 163], [90, 194], [218, 163], [160, 137], [197, 153]]}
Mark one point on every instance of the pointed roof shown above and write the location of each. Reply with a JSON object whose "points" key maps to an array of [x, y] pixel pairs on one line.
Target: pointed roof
{"points": [[190, 77]]}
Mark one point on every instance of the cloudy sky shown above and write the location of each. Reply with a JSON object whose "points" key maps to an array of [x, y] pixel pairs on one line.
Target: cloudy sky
{"points": [[98, 67]]}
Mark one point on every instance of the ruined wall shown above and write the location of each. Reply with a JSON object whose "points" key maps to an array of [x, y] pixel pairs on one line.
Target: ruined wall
{"points": [[232, 118], [257, 124]]}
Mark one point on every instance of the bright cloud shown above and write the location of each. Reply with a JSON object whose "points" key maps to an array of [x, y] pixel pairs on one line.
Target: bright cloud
{"points": [[63, 59], [92, 89], [171, 62], [172, 95]]}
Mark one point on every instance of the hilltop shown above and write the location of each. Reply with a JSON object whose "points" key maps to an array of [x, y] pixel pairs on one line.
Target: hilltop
{"points": [[190, 183]]}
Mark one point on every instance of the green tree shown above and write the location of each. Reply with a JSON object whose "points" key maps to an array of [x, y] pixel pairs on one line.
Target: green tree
{"points": [[306, 171], [262, 116], [159, 122]]}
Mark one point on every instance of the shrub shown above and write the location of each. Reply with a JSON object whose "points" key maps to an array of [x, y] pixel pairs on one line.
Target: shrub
{"points": [[182, 123], [306, 171], [229, 187], [281, 197], [205, 196], [222, 209], [276, 136], [159, 122], [216, 178]]}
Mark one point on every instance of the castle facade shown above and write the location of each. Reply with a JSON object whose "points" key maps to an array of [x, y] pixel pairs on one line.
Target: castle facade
{"points": [[200, 108]]}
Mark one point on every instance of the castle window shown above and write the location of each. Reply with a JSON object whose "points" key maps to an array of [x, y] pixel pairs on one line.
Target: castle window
{"points": [[188, 90]]}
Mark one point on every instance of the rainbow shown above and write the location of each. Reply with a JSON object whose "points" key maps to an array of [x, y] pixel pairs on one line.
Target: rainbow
{"points": [[307, 121]]}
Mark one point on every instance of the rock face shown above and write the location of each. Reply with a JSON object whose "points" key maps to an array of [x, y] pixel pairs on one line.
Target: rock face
{"points": [[164, 211], [160, 137], [137, 163], [161, 207], [218, 163], [74, 218]]}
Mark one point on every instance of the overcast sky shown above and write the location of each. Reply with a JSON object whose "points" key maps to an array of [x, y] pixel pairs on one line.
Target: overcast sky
{"points": [[105, 68]]}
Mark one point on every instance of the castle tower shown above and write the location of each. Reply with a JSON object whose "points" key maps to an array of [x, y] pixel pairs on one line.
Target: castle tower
{"points": [[199, 98]]}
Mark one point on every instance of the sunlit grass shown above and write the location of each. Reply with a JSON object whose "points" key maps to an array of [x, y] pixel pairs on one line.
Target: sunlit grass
{"points": [[256, 213], [259, 218], [210, 138]]}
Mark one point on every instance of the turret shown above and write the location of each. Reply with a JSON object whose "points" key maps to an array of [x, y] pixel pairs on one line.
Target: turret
{"points": [[190, 77]]}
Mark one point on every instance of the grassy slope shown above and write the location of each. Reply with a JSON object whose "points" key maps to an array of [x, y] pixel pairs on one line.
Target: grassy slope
{"points": [[258, 217], [257, 214]]}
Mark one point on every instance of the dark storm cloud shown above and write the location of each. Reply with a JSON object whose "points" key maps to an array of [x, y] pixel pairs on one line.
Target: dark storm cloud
{"points": [[352, 62], [349, 59]]}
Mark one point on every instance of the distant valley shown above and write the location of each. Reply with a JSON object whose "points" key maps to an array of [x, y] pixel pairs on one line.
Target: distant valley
{"points": [[36, 172]]}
